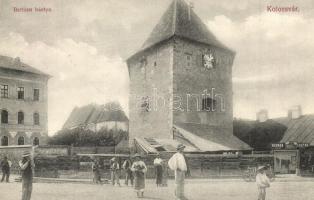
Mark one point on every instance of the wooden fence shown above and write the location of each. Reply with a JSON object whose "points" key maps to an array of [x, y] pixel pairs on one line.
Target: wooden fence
{"points": [[200, 165]]}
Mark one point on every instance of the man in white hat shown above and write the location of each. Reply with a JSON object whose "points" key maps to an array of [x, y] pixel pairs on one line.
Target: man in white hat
{"points": [[27, 175], [178, 163], [262, 182]]}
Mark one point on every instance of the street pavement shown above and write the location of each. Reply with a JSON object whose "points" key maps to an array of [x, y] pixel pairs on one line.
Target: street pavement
{"points": [[196, 189]]}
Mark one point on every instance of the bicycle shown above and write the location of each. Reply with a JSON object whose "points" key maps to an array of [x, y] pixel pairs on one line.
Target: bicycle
{"points": [[249, 175]]}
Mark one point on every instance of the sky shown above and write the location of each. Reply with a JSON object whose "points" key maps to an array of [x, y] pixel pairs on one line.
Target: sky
{"points": [[83, 44]]}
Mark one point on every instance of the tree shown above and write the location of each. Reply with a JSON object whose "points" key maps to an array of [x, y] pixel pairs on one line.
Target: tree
{"points": [[85, 137]]}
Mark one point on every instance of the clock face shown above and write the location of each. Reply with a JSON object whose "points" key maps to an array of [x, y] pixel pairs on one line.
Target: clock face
{"points": [[208, 61]]}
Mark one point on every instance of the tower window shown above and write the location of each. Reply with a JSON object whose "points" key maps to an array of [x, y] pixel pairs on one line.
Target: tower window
{"points": [[4, 117], [209, 104], [20, 92], [36, 95], [4, 91], [188, 60], [145, 104], [20, 117]]}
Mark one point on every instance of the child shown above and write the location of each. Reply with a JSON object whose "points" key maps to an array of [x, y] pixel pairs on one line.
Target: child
{"points": [[262, 182]]}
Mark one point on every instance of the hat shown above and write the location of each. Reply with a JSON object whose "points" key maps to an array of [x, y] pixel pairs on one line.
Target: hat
{"points": [[137, 155], [261, 167], [25, 154], [180, 146]]}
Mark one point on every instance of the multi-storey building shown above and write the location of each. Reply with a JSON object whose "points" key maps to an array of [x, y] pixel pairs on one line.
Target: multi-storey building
{"points": [[23, 103]]}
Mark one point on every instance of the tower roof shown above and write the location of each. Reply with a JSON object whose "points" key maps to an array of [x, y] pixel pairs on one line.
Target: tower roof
{"points": [[180, 20]]}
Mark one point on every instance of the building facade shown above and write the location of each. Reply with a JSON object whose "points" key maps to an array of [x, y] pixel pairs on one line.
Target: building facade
{"points": [[182, 77], [23, 103]]}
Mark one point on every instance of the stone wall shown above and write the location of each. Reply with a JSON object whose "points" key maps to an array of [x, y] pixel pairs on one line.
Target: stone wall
{"points": [[191, 79], [151, 78]]}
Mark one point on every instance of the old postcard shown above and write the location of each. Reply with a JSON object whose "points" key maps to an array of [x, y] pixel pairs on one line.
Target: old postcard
{"points": [[156, 99]]}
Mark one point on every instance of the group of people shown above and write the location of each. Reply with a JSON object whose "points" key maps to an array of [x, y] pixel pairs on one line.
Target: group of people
{"points": [[135, 172], [179, 165]]}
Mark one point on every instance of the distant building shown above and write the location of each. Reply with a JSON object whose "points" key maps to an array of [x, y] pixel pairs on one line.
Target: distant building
{"points": [[290, 138], [96, 117], [295, 152], [23, 103], [181, 86]]}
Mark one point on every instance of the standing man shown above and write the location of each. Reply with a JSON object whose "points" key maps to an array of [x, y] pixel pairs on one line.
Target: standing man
{"points": [[96, 171], [159, 171], [128, 172], [178, 163], [5, 166], [262, 182], [27, 175], [115, 168]]}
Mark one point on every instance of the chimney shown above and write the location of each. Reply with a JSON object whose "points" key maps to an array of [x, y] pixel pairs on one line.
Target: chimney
{"points": [[17, 62], [295, 112], [262, 115]]}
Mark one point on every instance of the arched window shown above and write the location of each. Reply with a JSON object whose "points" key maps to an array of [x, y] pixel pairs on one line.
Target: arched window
{"points": [[20, 140], [20, 117], [4, 116], [4, 141], [36, 141], [36, 118]]}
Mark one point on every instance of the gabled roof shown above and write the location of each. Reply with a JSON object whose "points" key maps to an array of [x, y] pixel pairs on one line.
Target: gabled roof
{"points": [[180, 20], [299, 130], [79, 116], [112, 115], [93, 113], [16, 65], [207, 138], [191, 135]]}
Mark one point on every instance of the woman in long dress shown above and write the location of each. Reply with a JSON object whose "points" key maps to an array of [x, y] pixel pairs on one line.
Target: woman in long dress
{"points": [[158, 166], [139, 169]]}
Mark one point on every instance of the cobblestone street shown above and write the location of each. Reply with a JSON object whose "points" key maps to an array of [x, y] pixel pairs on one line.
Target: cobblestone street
{"points": [[195, 190]]}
